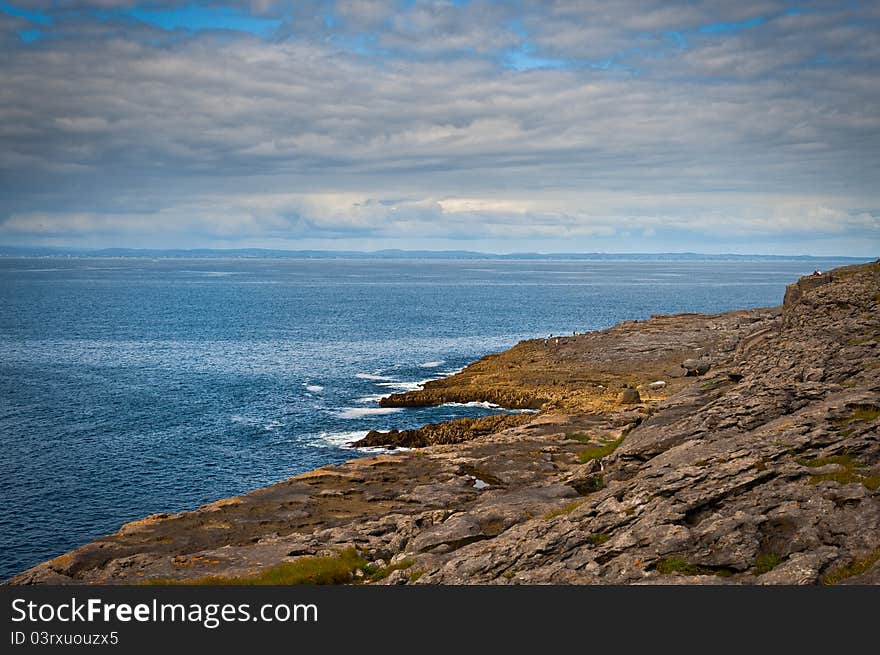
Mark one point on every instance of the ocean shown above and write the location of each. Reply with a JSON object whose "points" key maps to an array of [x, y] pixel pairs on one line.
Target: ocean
{"points": [[130, 386]]}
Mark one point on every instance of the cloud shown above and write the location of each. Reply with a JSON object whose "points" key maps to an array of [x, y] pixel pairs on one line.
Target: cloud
{"points": [[114, 128], [281, 220]]}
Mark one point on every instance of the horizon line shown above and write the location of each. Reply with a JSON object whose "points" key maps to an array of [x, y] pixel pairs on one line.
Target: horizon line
{"points": [[123, 251]]}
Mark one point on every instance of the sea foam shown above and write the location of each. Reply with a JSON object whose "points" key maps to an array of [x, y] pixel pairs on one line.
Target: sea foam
{"points": [[361, 412], [404, 386], [474, 403], [366, 400], [338, 439], [371, 376], [346, 439]]}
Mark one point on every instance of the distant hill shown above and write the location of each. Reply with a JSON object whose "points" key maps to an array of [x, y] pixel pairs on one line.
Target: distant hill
{"points": [[261, 253]]}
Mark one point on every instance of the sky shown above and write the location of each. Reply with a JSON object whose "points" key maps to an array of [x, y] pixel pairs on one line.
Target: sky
{"points": [[556, 126]]}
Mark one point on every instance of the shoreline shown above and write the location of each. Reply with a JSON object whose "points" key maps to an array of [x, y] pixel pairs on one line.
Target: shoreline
{"points": [[611, 464]]}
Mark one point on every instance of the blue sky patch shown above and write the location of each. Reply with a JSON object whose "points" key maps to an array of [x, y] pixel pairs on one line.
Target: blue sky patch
{"points": [[719, 28], [196, 17], [523, 59], [29, 36], [32, 16]]}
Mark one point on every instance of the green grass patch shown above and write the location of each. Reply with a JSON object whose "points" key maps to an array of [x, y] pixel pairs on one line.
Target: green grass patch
{"points": [[375, 574], [598, 452], [844, 476], [598, 538], [593, 484], [680, 565], [860, 413], [856, 567], [766, 562], [568, 509], [859, 342], [415, 575], [866, 413], [818, 462], [336, 569], [582, 438], [850, 471]]}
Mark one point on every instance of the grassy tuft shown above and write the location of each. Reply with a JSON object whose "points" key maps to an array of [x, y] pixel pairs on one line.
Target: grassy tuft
{"points": [[842, 460], [866, 413], [598, 452], [593, 484], [582, 438], [850, 471], [860, 413], [376, 574], [856, 567], [337, 569], [767, 562], [681, 565], [568, 509], [859, 342], [598, 538]]}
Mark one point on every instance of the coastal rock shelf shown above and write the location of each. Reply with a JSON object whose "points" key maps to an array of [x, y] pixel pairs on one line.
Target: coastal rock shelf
{"points": [[760, 467]]}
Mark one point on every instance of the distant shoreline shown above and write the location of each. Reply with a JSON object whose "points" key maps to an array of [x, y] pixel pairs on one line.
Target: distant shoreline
{"points": [[260, 253]]}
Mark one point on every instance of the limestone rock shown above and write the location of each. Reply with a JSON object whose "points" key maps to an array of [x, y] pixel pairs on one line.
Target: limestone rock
{"points": [[696, 366]]}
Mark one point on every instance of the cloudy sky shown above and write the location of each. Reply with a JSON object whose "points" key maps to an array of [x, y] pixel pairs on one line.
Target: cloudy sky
{"points": [[564, 125]]}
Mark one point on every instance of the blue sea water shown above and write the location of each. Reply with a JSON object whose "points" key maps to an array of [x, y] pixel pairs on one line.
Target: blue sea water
{"points": [[132, 386]]}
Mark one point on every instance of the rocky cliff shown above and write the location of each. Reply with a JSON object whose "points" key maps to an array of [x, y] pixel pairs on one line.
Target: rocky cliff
{"points": [[757, 462]]}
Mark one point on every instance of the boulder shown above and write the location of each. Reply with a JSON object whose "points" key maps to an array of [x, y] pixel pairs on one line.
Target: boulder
{"points": [[630, 396], [695, 367]]}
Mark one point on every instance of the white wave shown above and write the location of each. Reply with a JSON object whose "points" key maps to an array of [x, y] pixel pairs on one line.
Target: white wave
{"points": [[361, 412], [370, 399], [403, 386], [474, 403], [346, 439], [376, 450], [431, 364], [371, 376], [452, 372], [338, 439], [488, 405], [268, 425], [314, 388], [214, 273]]}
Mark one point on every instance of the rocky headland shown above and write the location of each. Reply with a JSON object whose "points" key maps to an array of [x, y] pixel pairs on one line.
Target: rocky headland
{"points": [[736, 448]]}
